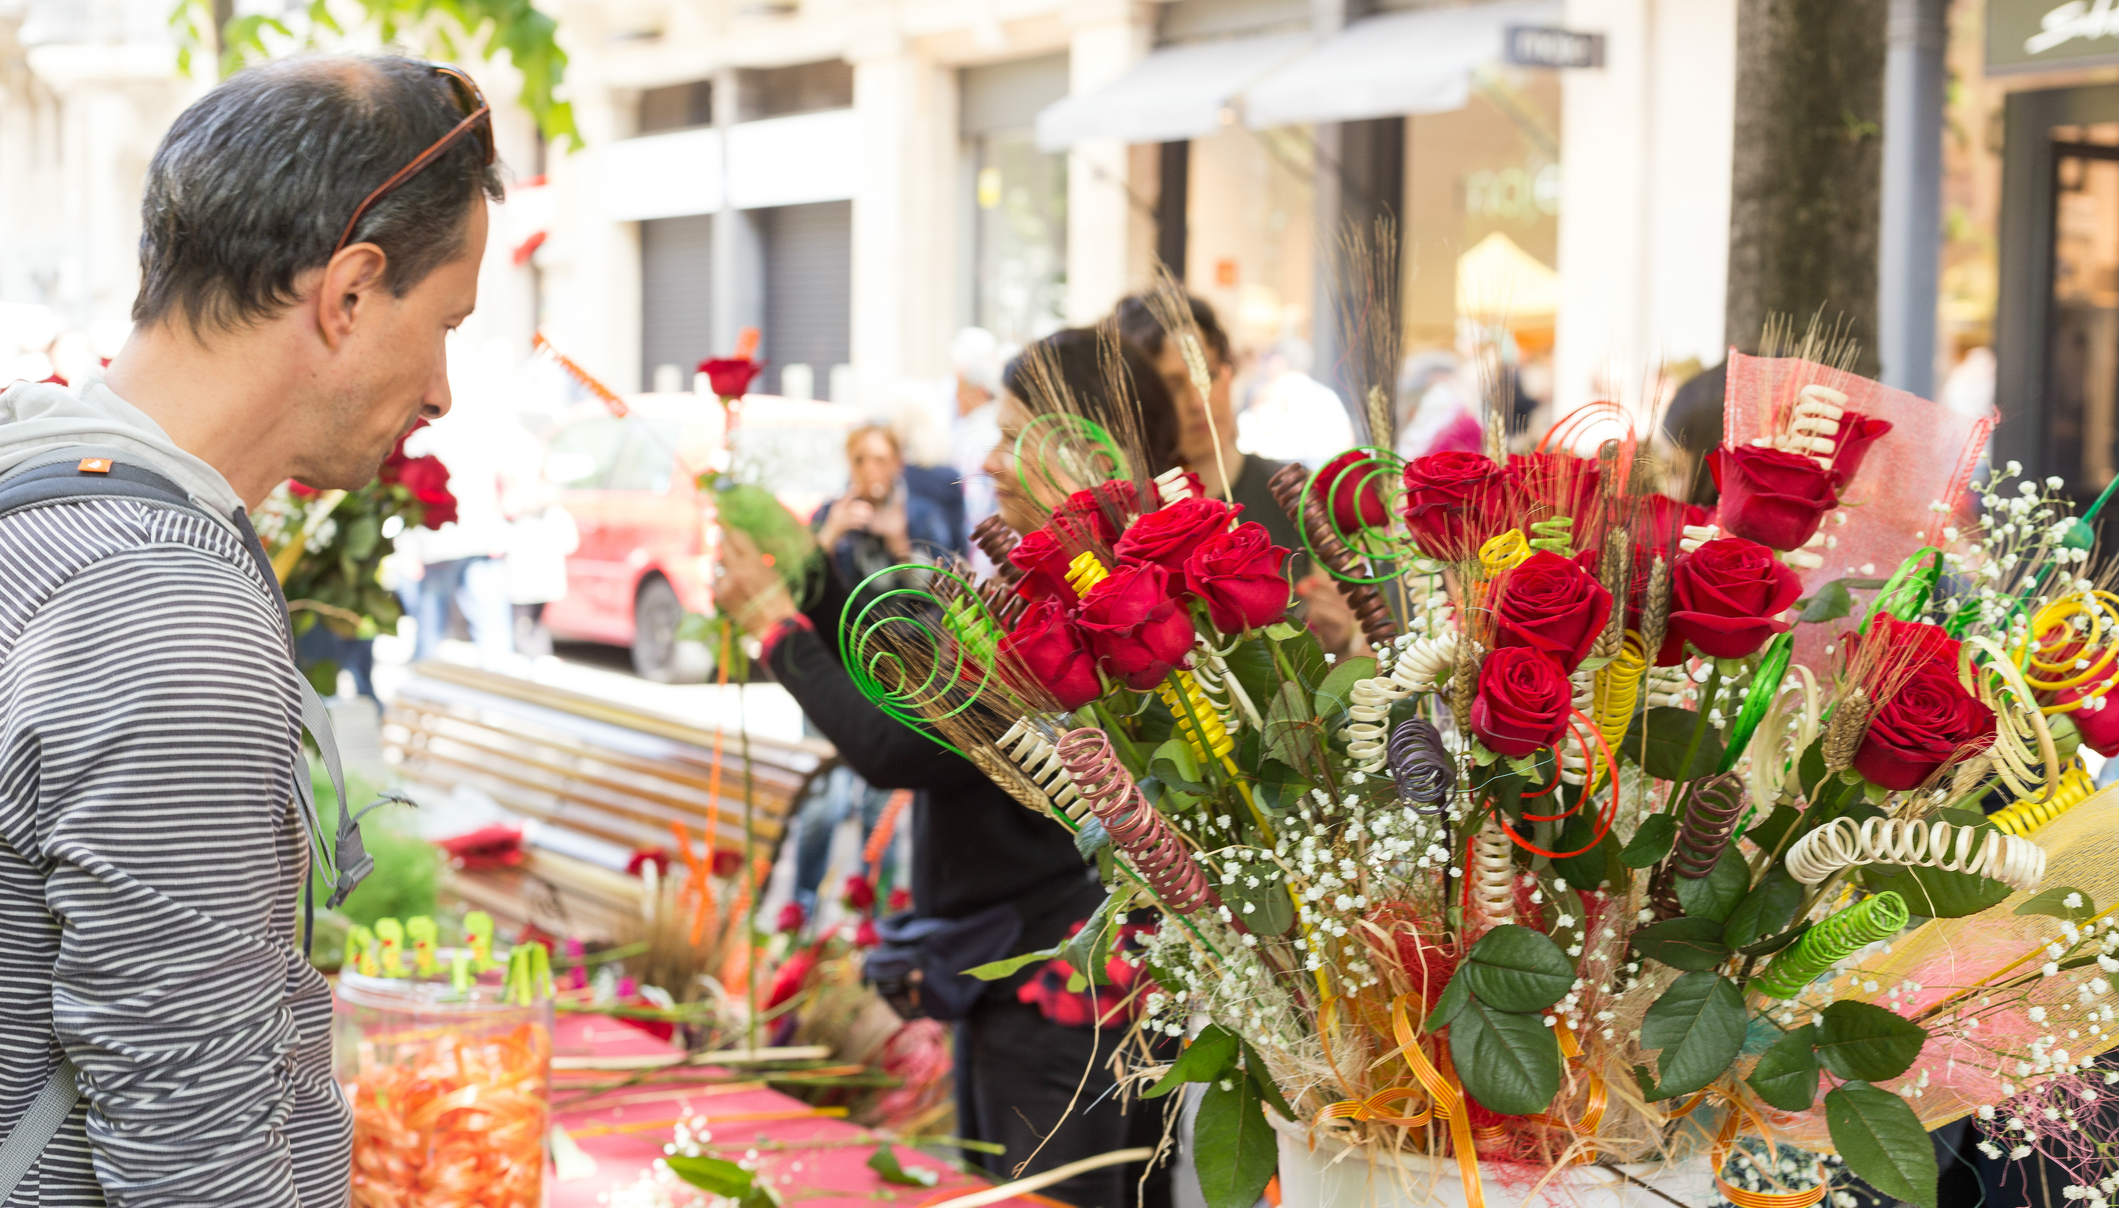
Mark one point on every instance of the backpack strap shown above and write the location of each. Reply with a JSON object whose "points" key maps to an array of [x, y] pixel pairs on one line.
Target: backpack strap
{"points": [[79, 472], [46, 1115]]}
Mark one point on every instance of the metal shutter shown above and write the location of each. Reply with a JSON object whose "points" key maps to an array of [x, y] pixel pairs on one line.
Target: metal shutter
{"points": [[676, 295], [808, 289]]}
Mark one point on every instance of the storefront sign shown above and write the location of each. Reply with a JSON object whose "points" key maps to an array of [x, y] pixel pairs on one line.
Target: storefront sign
{"points": [[2035, 35], [1550, 46]]}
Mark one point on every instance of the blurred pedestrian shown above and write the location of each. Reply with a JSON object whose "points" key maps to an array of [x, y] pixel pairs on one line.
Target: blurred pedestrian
{"points": [[463, 564], [986, 873], [977, 357], [1206, 445]]}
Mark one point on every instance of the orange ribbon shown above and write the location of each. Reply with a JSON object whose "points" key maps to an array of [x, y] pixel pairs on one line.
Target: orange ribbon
{"points": [[1725, 1138]]}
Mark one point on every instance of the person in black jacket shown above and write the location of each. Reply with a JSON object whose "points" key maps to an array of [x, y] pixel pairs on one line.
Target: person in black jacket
{"points": [[1021, 1075]]}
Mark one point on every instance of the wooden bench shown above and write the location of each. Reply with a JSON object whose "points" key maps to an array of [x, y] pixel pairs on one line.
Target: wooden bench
{"points": [[596, 781]]}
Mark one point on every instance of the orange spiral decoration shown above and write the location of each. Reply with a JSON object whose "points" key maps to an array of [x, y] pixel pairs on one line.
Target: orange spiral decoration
{"points": [[1134, 826]]}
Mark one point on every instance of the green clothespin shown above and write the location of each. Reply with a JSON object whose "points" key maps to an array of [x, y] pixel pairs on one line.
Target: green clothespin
{"points": [[423, 934], [529, 975], [460, 972], [478, 928], [390, 938], [360, 955]]}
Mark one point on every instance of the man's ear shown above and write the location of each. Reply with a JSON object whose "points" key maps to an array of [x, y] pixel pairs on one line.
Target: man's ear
{"points": [[347, 289]]}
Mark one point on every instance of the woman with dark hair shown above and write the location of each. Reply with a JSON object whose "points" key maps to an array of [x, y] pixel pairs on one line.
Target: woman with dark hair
{"points": [[1031, 1077]]}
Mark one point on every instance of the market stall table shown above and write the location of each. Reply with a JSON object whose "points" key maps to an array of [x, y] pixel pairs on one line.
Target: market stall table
{"points": [[824, 1162]]}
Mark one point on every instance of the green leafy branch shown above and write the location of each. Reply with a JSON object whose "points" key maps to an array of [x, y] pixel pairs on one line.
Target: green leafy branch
{"points": [[448, 29]]}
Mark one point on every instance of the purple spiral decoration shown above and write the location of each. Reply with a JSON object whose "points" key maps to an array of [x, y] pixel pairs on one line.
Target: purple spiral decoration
{"points": [[1422, 765], [1134, 826], [995, 540], [1710, 817]]}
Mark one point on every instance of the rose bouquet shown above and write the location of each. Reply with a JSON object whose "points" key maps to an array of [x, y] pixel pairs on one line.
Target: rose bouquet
{"points": [[328, 547], [1648, 843]]}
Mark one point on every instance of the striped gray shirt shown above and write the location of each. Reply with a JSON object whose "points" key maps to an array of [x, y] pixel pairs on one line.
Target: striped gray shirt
{"points": [[151, 865]]}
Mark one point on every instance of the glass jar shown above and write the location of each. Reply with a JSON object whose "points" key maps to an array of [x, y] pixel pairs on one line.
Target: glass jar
{"points": [[450, 1092]]}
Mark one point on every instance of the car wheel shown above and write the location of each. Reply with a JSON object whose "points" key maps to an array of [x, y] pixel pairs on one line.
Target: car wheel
{"points": [[657, 654]]}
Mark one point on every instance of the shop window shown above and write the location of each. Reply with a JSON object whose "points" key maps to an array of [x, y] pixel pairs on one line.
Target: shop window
{"points": [[1020, 236], [676, 107], [803, 88]]}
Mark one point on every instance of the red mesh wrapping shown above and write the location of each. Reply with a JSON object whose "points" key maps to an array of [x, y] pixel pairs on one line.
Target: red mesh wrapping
{"points": [[1929, 455]]}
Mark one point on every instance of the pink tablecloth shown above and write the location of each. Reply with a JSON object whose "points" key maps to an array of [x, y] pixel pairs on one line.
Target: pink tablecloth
{"points": [[736, 1120]]}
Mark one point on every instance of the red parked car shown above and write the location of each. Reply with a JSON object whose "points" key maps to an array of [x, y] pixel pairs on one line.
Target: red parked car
{"points": [[647, 532]]}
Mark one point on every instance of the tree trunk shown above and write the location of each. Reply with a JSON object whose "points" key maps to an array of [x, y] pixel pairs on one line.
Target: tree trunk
{"points": [[1804, 211]]}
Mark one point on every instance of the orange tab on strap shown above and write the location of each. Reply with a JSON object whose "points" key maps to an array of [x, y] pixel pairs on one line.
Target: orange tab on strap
{"points": [[94, 465]]}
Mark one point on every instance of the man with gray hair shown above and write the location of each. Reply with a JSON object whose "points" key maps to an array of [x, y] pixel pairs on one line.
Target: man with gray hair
{"points": [[311, 233]]}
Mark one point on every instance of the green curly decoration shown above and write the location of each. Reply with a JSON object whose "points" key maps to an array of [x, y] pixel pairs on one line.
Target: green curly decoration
{"points": [[1554, 536], [1058, 454], [1379, 544], [904, 651]]}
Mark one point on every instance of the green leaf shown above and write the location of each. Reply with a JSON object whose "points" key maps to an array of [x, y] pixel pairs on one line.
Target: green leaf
{"points": [[1933, 893], [1861, 1040], [1828, 603], [1768, 831], [1304, 655], [1291, 729], [1698, 1024], [1683, 943], [1279, 786], [1251, 663], [1509, 1062], [1174, 762], [1513, 968], [885, 1164], [362, 536], [2053, 902], [1266, 907], [1650, 843], [1786, 1076], [1766, 911], [1668, 731], [1810, 769], [1338, 687], [1882, 1142], [1007, 967], [1594, 866], [1715, 895], [1232, 1145], [1447, 1004], [1209, 1058], [1254, 1067], [724, 1178]]}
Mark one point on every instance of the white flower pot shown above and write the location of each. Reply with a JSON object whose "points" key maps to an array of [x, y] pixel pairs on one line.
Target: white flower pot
{"points": [[1337, 1176]]}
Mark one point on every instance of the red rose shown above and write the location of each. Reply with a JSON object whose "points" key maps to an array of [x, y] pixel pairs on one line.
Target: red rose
{"points": [[1186, 485], [1555, 484], [1095, 514], [1357, 498], [428, 480], [1726, 598], [1916, 642], [1043, 562], [1237, 575], [792, 916], [1454, 502], [1659, 524], [860, 893], [1523, 702], [1052, 650], [1168, 536], [727, 862], [866, 935], [730, 377], [900, 900], [789, 980], [1138, 632], [1856, 433], [1774, 498], [1927, 723], [2098, 721], [1551, 605], [302, 490]]}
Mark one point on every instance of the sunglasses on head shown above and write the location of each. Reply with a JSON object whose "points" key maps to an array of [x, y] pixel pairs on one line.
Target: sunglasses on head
{"points": [[477, 122]]}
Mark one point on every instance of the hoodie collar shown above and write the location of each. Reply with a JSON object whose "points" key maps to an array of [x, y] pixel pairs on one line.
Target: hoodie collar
{"points": [[39, 417]]}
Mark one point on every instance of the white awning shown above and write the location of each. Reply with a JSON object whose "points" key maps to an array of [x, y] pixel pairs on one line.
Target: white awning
{"points": [[1177, 93], [1397, 63]]}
